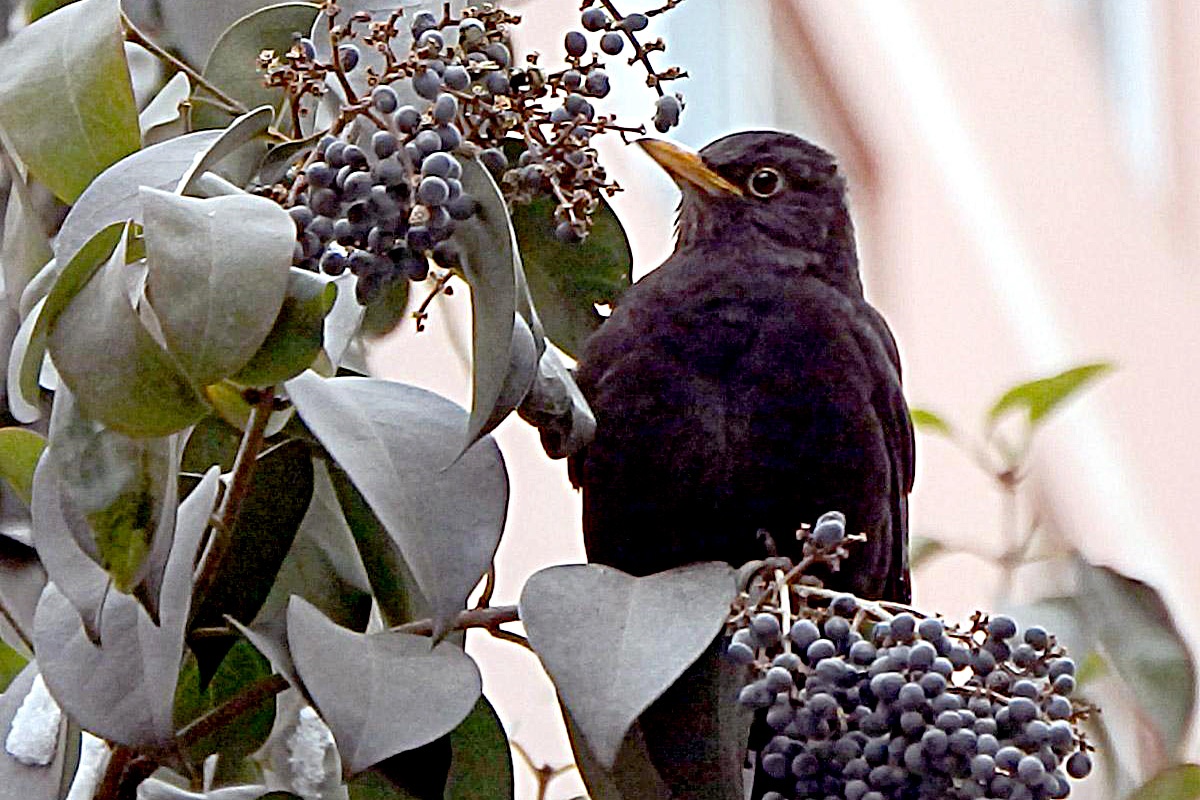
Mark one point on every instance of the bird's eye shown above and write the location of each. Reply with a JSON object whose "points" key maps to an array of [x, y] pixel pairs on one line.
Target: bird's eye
{"points": [[764, 182]]}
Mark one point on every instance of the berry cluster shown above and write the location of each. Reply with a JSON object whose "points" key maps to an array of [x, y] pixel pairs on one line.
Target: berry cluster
{"points": [[382, 210], [914, 709], [381, 193]]}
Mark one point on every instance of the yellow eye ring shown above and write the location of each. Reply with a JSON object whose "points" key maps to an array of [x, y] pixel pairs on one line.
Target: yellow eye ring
{"points": [[765, 182]]}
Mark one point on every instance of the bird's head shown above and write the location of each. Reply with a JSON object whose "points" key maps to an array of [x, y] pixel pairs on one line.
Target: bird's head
{"points": [[768, 190]]}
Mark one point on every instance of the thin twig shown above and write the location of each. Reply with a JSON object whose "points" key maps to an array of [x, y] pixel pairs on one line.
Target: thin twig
{"points": [[246, 700], [231, 504], [543, 774], [489, 588], [640, 53], [110, 782], [509, 636], [232, 105], [473, 618]]}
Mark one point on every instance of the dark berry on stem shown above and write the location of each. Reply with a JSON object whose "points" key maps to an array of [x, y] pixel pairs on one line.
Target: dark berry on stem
{"points": [[423, 21], [450, 136], [445, 108], [635, 22], [347, 57], [497, 83], [1002, 627], [594, 19], [576, 44], [456, 77], [596, 83], [612, 43], [407, 119], [427, 83], [498, 53], [462, 207], [384, 99]]}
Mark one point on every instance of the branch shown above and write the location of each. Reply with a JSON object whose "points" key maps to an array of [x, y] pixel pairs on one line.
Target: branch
{"points": [[132, 34], [490, 618], [640, 53], [231, 504], [246, 700], [125, 772]]}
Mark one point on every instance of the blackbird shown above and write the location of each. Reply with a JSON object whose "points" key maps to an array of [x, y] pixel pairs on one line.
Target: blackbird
{"points": [[744, 386]]}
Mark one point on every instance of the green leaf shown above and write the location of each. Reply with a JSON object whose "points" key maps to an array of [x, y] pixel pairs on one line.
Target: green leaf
{"points": [[392, 582], [22, 578], [568, 281], [235, 154], [1038, 398], [218, 274], [387, 310], [522, 370], [632, 777], [1091, 668], [296, 336], [241, 667], [80, 579], [232, 64], [395, 442], [1178, 782], [229, 401], [66, 102], [141, 392], [922, 549], [925, 420], [282, 157], [481, 765], [29, 348], [490, 262], [1143, 643], [280, 491], [164, 117], [119, 494], [11, 664], [322, 566], [125, 690], [211, 441], [25, 248], [380, 694], [20, 450], [115, 196], [40, 8], [607, 658]]}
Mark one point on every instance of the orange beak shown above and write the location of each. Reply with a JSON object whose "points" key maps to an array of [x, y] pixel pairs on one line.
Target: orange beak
{"points": [[683, 164]]}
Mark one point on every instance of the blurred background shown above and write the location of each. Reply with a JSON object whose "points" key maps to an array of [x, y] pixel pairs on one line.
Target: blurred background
{"points": [[1025, 179]]}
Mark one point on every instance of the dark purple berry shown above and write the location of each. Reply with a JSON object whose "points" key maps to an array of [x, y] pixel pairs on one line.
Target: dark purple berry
{"points": [[384, 99], [407, 119], [594, 19], [612, 43], [597, 83], [497, 83], [576, 44], [347, 57], [498, 54], [427, 83], [456, 77]]}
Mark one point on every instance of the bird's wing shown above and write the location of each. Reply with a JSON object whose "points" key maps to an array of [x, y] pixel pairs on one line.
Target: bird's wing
{"points": [[892, 410]]}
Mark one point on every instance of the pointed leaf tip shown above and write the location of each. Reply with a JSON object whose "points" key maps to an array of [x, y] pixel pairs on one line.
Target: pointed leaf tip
{"points": [[601, 635], [1042, 396], [382, 693]]}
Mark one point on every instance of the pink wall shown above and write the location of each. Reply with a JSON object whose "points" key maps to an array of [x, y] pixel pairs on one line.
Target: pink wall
{"points": [[1003, 237]]}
